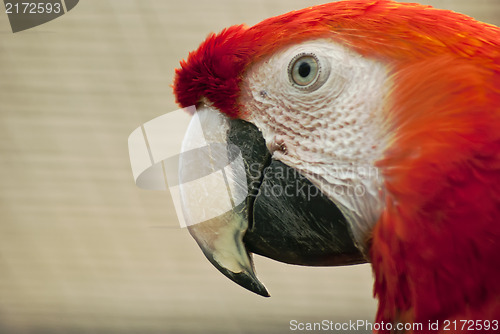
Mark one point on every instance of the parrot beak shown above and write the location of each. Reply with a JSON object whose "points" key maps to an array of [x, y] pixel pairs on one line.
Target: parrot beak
{"points": [[221, 240], [237, 200]]}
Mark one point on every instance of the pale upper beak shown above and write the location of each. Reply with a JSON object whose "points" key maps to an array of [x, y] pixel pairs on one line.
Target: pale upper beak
{"points": [[233, 207]]}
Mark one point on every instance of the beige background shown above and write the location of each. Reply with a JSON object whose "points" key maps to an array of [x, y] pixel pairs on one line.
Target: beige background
{"points": [[82, 249]]}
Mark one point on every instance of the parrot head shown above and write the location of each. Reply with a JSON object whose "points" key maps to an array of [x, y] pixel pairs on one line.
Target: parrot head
{"points": [[353, 122]]}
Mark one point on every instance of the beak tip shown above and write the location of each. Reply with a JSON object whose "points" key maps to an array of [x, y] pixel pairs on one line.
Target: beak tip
{"points": [[266, 294], [246, 279], [249, 281]]}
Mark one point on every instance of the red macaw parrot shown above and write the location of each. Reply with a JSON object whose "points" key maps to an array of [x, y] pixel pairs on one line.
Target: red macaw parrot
{"points": [[390, 113]]}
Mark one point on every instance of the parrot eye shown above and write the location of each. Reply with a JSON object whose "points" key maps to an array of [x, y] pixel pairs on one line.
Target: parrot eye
{"points": [[303, 70]]}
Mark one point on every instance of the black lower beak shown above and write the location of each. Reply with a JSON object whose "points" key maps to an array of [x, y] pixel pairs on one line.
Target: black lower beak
{"points": [[293, 222], [284, 217]]}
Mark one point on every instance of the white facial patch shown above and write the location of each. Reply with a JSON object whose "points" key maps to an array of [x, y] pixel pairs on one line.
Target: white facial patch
{"points": [[332, 131]]}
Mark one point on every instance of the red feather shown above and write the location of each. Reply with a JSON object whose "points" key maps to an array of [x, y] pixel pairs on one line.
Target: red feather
{"points": [[435, 250]]}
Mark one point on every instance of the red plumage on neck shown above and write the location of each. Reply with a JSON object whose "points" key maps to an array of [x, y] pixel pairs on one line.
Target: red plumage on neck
{"points": [[434, 250]]}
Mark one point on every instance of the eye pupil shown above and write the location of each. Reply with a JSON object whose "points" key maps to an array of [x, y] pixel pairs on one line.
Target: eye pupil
{"points": [[304, 69]]}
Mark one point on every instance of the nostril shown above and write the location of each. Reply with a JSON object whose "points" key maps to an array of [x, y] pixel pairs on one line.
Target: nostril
{"points": [[283, 148], [278, 144]]}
